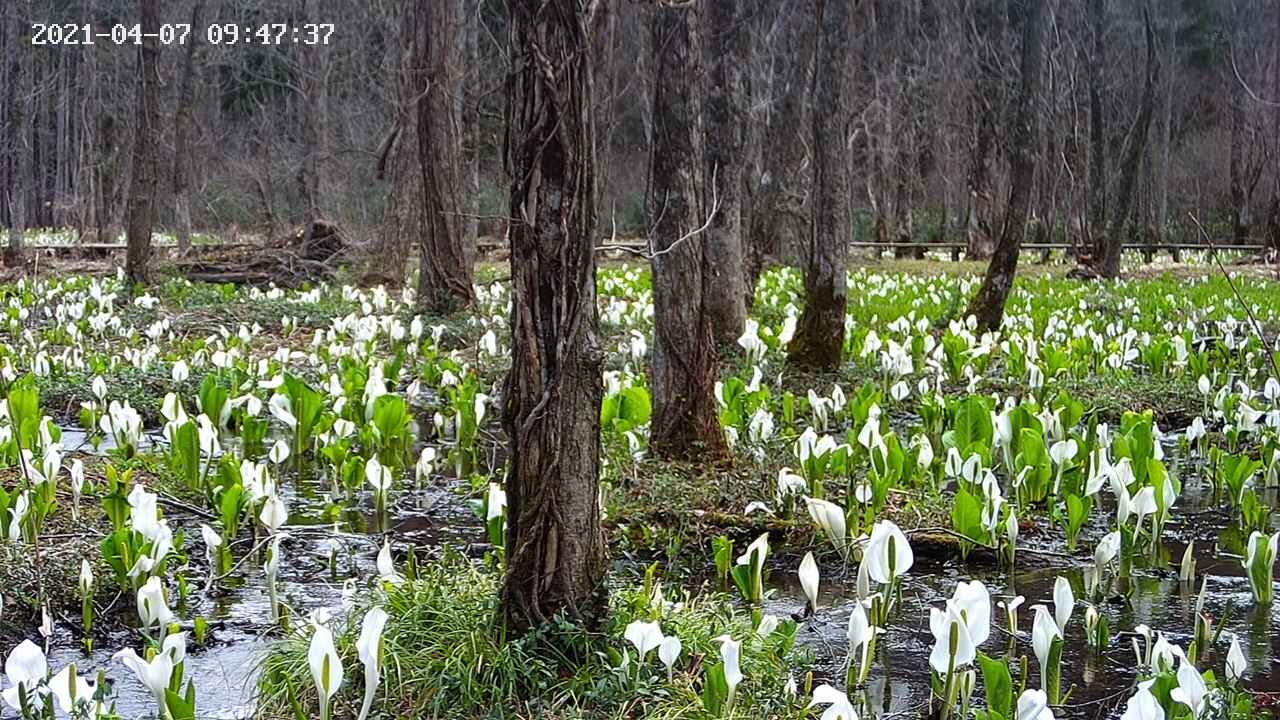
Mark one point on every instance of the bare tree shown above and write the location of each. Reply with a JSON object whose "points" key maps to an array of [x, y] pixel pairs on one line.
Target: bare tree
{"points": [[144, 176], [182, 138], [444, 274], [930, 126], [725, 130], [782, 196], [18, 126], [1273, 222], [988, 304], [396, 158], [1168, 88], [1134, 149], [555, 547], [1238, 119], [314, 95], [989, 19], [685, 422], [470, 81], [819, 337], [1098, 177]]}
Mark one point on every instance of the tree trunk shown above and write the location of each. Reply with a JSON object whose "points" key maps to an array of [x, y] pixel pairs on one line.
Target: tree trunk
{"points": [[1166, 130], [1134, 149], [444, 275], [19, 124], [89, 143], [988, 304], [397, 161], [181, 138], [1098, 130], [989, 21], [819, 338], [1273, 223], [783, 192], [1239, 123], [145, 173], [314, 89], [471, 78], [555, 547], [725, 152], [106, 168], [685, 422], [608, 70]]}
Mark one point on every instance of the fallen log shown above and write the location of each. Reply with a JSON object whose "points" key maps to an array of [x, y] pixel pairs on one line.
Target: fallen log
{"points": [[308, 255]]}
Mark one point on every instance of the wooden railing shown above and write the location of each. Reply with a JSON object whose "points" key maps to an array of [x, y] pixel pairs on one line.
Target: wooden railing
{"points": [[638, 246]]}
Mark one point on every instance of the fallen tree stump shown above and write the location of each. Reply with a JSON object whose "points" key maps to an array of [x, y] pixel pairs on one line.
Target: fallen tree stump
{"points": [[307, 255]]}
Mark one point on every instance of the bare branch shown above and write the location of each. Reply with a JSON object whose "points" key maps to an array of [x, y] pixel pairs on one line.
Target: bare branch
{"points": [[651, 254], [1253, 320], [1231, 53]]}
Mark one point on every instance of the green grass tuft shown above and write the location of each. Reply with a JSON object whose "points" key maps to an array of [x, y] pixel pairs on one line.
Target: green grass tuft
{"points": [[444, 657]]}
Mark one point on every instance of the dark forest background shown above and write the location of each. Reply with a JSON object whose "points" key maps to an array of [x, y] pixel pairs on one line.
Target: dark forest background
{"points": [[255, 140]]}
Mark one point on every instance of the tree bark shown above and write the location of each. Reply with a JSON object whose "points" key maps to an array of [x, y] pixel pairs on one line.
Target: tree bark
{"points": [[725, 152], [1273, 223], [1134, 149], [819, 339], [685, 422], [444, 276], [106, 168], [608, 69], [19, 125], [89, 188], [314, 91], [144, 175], [988, 304], [1166, 130], [556, 559], [181, 138], [471, 79], [1239, 124], [989, 22], [397, 161], [1098, 176], [783, 193]]}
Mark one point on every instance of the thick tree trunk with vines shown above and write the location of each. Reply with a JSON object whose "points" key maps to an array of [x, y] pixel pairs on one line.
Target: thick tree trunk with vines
{"points": [[819, 339], [182, 138], [988, 304], [685, 422], [445, 275], [726, 154], [144, 176], [555, 547], [1135, 148]]}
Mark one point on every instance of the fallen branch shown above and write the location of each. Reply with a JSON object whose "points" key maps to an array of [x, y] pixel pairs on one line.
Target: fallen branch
{"points": [[308, 255], [1253, 320]]}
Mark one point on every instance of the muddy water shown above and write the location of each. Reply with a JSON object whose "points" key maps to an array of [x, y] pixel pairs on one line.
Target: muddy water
{"points": [[317, 560], [1099, 683], [316, 563]]}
